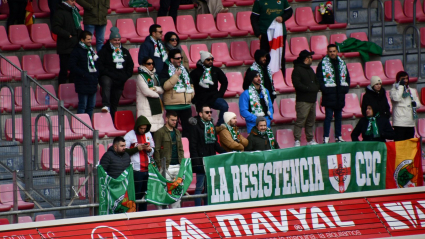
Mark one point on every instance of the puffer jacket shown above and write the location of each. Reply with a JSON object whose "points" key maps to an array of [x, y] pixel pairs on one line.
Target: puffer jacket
{"points": [[377, 100], [305, 83], [402, 107], [227, 142], [113, 163], [171, 97], [63, 26], [85, 81], [95, 11]]}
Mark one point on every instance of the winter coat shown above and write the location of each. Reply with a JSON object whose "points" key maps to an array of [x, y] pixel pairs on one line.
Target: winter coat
{"points": [[171, 97], [113, 163], [164, 147], [197, 146], [148, 49], [385, 130], [258, 142], [85, 81], [207, 96], [402, 107], [266, 79], [95, 11], [305, 83], [107, 67], [63, 26], [245, 110], [378, 100], [333, 97], [227, 142]]}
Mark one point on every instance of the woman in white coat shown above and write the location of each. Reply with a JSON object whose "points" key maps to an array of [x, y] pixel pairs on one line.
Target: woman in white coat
{"points": [[405, 102], [148, 92]]}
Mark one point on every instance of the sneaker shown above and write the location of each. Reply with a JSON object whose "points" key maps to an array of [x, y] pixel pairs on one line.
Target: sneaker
{"points": [[224, 10], [312, 142], [105, 109], [297, 143], [326, 140], [339, 139]]}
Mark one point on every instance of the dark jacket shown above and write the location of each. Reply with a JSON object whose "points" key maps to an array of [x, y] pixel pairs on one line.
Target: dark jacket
{"points": [[258, 142], [148, 49], [63, 26], [305, 83], [377, 100], [197, 146], [106, 67], [95, 11], [113, 163], [385, 130], [333, 97], [266, 79], [164, 146], [208, 96], [85, 81]]}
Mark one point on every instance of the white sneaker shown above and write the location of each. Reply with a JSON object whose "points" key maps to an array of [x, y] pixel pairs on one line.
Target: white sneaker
{"points": [[312, 142], [105, 109], [297, 143], [339, 139], [326, 140]]}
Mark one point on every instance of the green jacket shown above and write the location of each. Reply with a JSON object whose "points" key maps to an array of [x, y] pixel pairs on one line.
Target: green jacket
{"points": [[95, 11], [363, 47], [258, 142], [164, 147]]}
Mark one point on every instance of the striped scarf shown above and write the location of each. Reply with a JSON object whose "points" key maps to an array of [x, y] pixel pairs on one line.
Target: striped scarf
{"points": [[91, 55], [117, 56]]}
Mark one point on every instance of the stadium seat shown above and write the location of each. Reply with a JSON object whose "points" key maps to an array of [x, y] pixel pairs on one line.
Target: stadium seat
{"points": [[107, 30], [129, 92], [399, 16], [319, 44], [340, 38], [420, 15], [234, 107], [192, 65], [300, 43], [374, 68], [8, 71], [195, 56], [254, 46], [392, 67], [422, 98], [6, 101], [292, 26], [90, 158], [226, 23], [118, 7], [422, 107], [128, 31], [44, 217], [124, 120], [69, 134], [352, 105], [359, 35], [357, 77], [51, 63], [422, 31], [287, 108], [32, 64], [44, 6], [24, 219], [285, 138], [40, 33], [185, 143], [6, 197], [186, 25], [335, 25], [134, 52], [319, 114], [220, 51], [167, 25], [5, 44], [38, 13], [66, 92], [408, 10], [319, 135], [279, 83], [277, 117], [18, 34], [142, 26], [244, 2], [289, 56], [103, 123], [304, 17], [204, 25], [421, 128], [18, 129], [228, 93], [288, 80], [4, 221], [235, 81], [40, 95], [155, 4], [4, 208], [239, 51], [4, 10], [34, 103], [243, 21], [346, 130], [79, 128]]}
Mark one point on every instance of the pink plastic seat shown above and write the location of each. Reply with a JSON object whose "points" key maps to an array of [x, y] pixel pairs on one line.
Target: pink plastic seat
{"points": [[226, 23], [107, 31], [10, 71], [359, 35], [319, 114], [128, 30], [289, 56], [422, 31], [66, 92], [319, 135], [134, 52], [221, 53], [287, 108], [277, 117], [346, 130], [34, 103], [243, 21], [279, 82], [103, 123], [254, 46], [79, 128], [6, 197], [4, 10], [32, 64], [185, 143], [195, 55], [129, 92], [374, 68], [24, 219], [18, 129], [420, 13], [155, 4], [186, 25], [40, 33], [392, 67], [118, 7], [421, 128], [292, 26], [235, 81], [142, 26], [192, 65], [285, 138], [399, 14], [51, 63], [90, 158], [304, 17], [228, 3], [357, 77], [336, 25], [167, 25], [38, 13], [18, 34], [40, 95], [352, 105], [124, 120], [300, 43], [69, 134], [234, 107], [45, 217], [239, 51], [319, 44], [204, 23], [5, 44]]}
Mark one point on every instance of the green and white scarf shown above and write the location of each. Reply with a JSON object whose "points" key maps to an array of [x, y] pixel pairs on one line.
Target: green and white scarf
{"points": [[372, 127], [75, 15], [406, 93], [91, 55], [152, 80], [256, 67], [206, 79], [117, 56], [209, 132], [234, 134], [329, 72], [159, 50], [254, 100], [270, 136], [183, 84]]}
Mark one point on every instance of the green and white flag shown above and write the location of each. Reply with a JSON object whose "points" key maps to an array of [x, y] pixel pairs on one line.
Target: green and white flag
{"points": [[164, 192], [116, 195]]}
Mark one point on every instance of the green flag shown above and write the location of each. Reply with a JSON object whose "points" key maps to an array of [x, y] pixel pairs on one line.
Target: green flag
{"points": [[116, 195], [164, 192], [139, 3]]}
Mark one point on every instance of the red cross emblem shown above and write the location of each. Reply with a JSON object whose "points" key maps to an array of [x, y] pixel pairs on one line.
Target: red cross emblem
{"points": [[339, 171]]}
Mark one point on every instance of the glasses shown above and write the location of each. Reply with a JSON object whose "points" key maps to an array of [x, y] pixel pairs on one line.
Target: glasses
{"points": [[149, 63], [210, 59], [208, 112], [177, 58], [173, 39]]}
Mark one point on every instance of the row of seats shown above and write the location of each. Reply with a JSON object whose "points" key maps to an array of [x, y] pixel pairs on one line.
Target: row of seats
{"points": [[6, 199], [26, 219], [404, 14]]}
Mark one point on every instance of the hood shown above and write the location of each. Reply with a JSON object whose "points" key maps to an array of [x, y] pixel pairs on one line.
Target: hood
{"points": [[220, 128], [260, 53], [381, 93], [249, 77], [142, 120]]}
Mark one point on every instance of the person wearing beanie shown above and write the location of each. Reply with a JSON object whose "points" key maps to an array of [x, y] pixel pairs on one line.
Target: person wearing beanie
{"points": [[255, 101], [229, 135], [376, 97], [261, 137], [206, 78], [405, 102], [115, 67], [306, 88], [172, 41], [95, 12], [154, 48]]}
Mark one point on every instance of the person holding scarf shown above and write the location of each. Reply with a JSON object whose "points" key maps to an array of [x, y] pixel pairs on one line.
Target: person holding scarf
{"points": [[229, 135], [405, 102], [172, 41], [261, 137], [255, 101], [148, 93], [153, 47], [115, 68], [373, 127]]}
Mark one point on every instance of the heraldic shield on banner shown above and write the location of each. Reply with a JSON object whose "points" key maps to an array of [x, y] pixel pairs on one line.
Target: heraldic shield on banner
{"points": [[339, 171]]}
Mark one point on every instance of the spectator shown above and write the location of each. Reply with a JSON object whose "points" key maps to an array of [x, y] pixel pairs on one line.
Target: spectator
{"points": [[172, 5], [334, 80], [16, 12], [229, 135], [261, 64], [95, 12], [206, 78], [172, 41], [148, 93], [405, 102], [306, 88], [66, 25], [261, 137], [154, 48], [140, 145], [115, 68], [373, 127], [376, 97], [169, 146], [82, 67], [178, 90], [255, 101], [211, 6], [116, 159], [202, 143], [53, 4]]}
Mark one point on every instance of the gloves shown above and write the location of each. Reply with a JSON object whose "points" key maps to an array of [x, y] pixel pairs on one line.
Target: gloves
{"points": [[402, 82]]}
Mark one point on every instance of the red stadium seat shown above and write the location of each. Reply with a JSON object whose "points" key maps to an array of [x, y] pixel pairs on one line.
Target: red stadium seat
{"points": [[18, 34], [288, 80], [129, 92], [244, 2], [421, 128], [228, 3], [185, 143], [4, 221], [422, 30], [79, 128], [43, 5], [18, 129], [103, 123], [319, 135], [234, 107], [277, 117], [6, 197], [335, 25], [319, 114], [352, 105], [292, 26], [204, 23], [287, 108], [226, 23], [374, 68], [399, 14], [107, 30], [359, 35], [239, 51], [304, 17], [195, 55], [279, 82], [128, 31], [346, 130], [124, 120], [45, 217], [40, 95], [392, 67], [51, 63], [155, 4], [234, 87], [7, 101], [134, 52], [243, 21], [408, 10], [289, 56], [4, 10], [34, 104], [24, 219], [221, 53], [66, 92], [254, 46], [422, 98], [422, 107], [69, 134], [186, 25], [300, 43], [319, 44], [186, 6], [40, 33], [38, 13], [10, 71], [5, 44], [32, 64], [118, 7], [357, 77], [167, 25], [192, 64], [285, 138], [90, 158]]}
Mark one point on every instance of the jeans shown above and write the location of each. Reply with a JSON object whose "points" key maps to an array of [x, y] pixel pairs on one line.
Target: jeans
{"points": [[173, 5], [183, 116], [201, 184], [140, 187], [221, 105], [100, 34], [16, 13], [63, 73], [86, 104], [328, 119], [110, 94]]}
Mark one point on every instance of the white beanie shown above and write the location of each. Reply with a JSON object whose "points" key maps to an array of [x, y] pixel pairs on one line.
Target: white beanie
{"points": [[375, 80], [228, 116], [205, 55]]}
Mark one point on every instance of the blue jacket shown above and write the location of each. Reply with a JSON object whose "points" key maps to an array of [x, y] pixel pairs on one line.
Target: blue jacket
{"points": [[85, 81], [245, 110], [148, 49]]}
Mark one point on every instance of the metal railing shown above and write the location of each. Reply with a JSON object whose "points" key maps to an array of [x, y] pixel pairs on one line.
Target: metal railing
{"points": [[416, 44], [369, 21]]}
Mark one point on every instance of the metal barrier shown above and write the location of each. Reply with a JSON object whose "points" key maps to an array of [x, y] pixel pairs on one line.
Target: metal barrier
{"points": [[49, 121], [369, 21], [416, 33]]}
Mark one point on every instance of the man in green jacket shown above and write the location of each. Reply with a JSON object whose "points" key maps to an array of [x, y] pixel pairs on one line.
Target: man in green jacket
{"points": [[261, 138]]}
